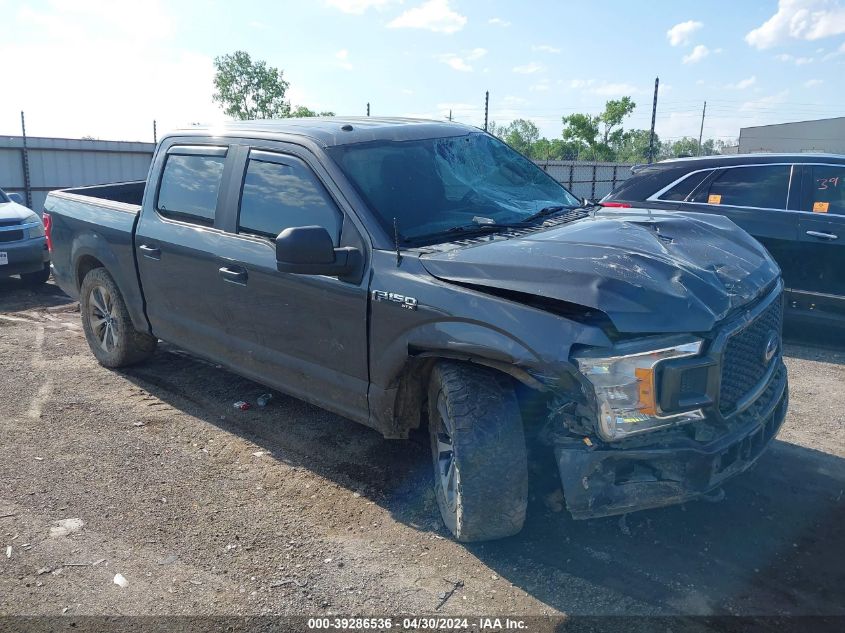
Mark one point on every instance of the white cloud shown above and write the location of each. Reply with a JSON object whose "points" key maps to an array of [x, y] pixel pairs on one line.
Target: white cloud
{"points": [[681, 33], [167, 83], [358, 6], [342, 57], [839, 51], [742, 84], [461, 62], [433, 15], [498, 22], [799, 19], [798, 61], [813, 83], [545, 48], [528, 69], [540, 86], [764, 103], [698, 53], [605, 88]]}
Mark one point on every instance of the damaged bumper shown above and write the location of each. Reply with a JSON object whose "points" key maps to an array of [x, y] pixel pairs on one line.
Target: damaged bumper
{"points": [[606, 480]]}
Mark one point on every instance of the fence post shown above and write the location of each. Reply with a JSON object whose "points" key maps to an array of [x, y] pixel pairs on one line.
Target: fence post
{"points": [[593, 188], [25, 157], [613, 184], [571, 171]]}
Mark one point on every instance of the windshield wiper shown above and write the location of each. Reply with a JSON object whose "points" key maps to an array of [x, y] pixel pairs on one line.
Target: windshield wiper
{"points": [[545, 212], [464, 229]]}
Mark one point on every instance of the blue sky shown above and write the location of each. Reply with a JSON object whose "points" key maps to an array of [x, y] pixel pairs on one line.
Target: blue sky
{"points": [[107, 69]]}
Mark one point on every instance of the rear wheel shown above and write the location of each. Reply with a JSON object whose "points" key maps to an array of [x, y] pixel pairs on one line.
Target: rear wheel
{"points": [[108, 328], [478, 451], [38, 278]]}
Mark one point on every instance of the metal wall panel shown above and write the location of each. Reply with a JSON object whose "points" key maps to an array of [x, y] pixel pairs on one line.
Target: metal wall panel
{"points": [[58, 163]]}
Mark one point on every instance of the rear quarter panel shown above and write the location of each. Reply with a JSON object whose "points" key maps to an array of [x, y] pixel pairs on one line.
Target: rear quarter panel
{"points": [[85, 227]]}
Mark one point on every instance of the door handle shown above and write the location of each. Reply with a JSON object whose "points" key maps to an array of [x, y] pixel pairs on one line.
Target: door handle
{"points": [[824, 236], [150, 252], [235, 275]]}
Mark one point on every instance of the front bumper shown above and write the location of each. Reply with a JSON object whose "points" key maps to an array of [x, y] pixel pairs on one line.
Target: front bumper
{"points": [[25, 256], [607, 480]]}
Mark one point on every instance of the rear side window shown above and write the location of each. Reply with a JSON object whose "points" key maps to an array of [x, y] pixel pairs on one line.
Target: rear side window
{"points": [[764, 186], [189, 186], [683, 189], [284, 194], [827, 189]]}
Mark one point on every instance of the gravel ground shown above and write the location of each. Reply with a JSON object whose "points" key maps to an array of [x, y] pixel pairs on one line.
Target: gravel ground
{"points": [[207, 510]]}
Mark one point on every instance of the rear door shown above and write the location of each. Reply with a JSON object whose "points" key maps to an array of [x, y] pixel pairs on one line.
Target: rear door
{"points": [[177, 242], [305, 334], [756, 198], [822, 238]]}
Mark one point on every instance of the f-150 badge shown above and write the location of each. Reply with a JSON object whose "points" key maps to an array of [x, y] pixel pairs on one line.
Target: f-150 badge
{"points": [[409, 303]]}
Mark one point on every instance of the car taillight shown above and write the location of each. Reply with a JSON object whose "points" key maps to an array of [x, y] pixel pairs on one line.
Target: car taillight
{"points": [[621, 205], [48, 227]]}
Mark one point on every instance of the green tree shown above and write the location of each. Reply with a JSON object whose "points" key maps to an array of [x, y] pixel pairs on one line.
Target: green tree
{"points": [[521, 134], [302, 111], [633, 146], [248, 89], [597, 135]]}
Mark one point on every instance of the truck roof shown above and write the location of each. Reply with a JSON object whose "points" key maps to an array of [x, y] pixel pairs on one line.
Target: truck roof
{"points": [[332, 131]]}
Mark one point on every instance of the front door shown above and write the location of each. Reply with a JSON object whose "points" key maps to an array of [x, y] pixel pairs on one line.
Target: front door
{"points": [[305, 334], [822, 239]]}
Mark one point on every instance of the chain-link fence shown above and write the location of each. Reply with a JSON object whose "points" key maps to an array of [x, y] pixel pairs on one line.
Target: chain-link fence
{"points": [[587, 179]]}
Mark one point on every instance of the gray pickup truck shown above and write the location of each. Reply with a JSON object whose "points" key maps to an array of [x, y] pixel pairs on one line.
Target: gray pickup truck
{"points": [[406, 272]]}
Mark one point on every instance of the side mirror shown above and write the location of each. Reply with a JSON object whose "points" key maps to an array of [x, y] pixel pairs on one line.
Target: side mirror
{"points": [[16, 197], [309, 250]]}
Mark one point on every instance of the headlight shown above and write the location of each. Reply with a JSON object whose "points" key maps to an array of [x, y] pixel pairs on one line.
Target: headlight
{"points": [[626, 390], [38, 229]]}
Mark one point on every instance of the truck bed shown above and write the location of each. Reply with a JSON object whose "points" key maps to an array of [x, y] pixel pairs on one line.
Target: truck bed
{"points": [[94, 226]]}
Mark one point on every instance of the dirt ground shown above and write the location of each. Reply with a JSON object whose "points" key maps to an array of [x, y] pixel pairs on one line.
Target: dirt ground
{"points": [[290, 510]]}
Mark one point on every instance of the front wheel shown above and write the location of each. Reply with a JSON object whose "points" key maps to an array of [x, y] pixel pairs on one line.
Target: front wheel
{"points": [[109, 330], [478, 450]]}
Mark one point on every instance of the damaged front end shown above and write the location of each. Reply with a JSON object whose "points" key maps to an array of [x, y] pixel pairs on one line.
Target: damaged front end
{"points": [[662, 421]]}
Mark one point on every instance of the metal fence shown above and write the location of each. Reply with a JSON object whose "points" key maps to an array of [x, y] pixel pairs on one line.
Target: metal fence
{"points": [[587, 179], [44, 164]]}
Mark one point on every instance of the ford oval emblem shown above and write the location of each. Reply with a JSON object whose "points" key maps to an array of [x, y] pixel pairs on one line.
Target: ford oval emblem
{"points": [[772, 344]]}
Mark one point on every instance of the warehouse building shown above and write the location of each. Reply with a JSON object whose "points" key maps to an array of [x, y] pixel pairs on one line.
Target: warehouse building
{"points": [[822, 135]]}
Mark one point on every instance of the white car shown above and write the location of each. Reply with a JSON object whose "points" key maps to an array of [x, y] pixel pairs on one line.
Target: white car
{"points": [[24, 247]]}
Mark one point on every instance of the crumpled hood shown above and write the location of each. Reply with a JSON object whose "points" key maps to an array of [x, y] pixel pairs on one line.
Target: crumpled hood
{"points": [[649, 271]]}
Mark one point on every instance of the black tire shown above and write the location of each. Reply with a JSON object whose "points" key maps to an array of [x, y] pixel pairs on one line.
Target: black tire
{"points": [[37, 278], [109, 330], [487, 494]]}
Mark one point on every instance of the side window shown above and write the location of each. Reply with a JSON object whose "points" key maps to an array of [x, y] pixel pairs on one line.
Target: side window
{"points": [[279, 195], [762, 186], [683, 189], [827, 189], [189, 186]]}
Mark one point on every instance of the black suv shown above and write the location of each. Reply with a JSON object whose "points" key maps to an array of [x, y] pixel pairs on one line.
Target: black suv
{"points": [[793, 203]]}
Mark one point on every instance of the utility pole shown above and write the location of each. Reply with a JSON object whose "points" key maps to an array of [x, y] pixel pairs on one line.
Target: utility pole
{"points": [[368, 108], [27, 186], [701, 131], [486, 107], [155, 134], [653, 118]]}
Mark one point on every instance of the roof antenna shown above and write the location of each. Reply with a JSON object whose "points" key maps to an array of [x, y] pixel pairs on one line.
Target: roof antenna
{"points": [[396, 242]]}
